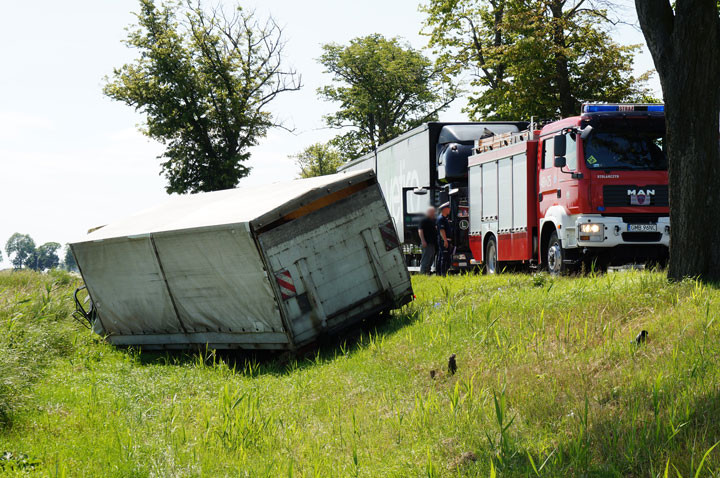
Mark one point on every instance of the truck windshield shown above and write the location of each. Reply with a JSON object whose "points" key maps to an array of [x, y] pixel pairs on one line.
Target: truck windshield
{"points": [[626, 150]]}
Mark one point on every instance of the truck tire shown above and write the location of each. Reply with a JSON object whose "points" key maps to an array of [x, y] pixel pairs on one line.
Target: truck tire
{"points": [[555, 256], [490, 258]]}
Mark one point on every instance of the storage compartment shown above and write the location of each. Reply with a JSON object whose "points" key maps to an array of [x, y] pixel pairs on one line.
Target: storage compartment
{"points": [[502, 185]]}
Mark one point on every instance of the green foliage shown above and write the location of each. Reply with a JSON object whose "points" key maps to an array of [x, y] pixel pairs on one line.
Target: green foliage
{"points": [[318, 160], [532, 58], [22, 253], [44, 257], [35, 330], [11, 462], [204, 81], [20, 249], [383, 88], [69, 263], [549, 383]]}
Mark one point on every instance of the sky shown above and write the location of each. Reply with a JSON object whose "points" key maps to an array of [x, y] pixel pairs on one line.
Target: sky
{"points": [[72, 159]]}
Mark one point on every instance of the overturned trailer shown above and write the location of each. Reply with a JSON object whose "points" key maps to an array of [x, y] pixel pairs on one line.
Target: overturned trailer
{"points": [[272, 267]]}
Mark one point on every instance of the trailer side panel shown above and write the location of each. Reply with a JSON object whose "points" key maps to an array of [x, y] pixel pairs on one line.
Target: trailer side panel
{"points": [[405, 164], [217, 281], [127, 284], [188, 284]]}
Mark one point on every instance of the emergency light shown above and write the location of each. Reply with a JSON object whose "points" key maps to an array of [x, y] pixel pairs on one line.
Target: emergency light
{"points": [[602, 108]]}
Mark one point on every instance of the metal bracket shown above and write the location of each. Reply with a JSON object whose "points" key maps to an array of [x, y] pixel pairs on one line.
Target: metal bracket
{"points": [[374, 259], [311, 291]]}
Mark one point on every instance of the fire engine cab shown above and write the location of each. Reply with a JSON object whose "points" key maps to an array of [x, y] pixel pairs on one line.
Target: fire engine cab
{"points": [[590, 188]]}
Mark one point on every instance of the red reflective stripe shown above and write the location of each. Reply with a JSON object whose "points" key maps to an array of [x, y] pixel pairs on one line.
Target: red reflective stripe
{"points": [[284, 281], [286, 285], [387, 231]]}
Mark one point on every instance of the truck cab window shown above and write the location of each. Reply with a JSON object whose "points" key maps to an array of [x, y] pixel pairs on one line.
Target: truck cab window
{"points": [[548, 153], [626, 149], [571, 151]]}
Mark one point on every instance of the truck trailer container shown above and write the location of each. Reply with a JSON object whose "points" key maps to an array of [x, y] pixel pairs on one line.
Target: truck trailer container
{"points": [[424, 167], [590, 188], [272, 267]]}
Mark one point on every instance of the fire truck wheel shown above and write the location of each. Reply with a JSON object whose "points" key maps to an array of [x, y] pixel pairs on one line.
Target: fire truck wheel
{"points": [[491, 262], [555, 255]]}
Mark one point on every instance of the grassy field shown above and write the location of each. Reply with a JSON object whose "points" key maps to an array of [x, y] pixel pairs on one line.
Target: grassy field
{"points": [[549, 383]]}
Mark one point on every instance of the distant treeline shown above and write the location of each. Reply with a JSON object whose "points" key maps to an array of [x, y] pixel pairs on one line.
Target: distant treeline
{"points": [[23, 253]]}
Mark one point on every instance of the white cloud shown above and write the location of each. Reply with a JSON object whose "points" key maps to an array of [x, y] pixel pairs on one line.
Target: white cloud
{"points": [[16, 126]]}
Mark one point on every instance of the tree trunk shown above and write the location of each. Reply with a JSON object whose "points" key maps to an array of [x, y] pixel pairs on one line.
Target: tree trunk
{"points": [[562, 73], [694, 179], [498, 15], [684, 44]]}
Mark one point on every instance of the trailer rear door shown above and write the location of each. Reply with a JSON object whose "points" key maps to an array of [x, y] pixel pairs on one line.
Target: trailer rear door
{"points": [[337, 264]]}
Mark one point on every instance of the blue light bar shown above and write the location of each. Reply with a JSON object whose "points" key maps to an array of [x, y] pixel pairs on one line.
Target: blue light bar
{"points": [[600, 108]]}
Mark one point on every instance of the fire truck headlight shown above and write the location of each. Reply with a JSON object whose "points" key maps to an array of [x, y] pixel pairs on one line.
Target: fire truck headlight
{"points": [[591, 228], [591, 231]]}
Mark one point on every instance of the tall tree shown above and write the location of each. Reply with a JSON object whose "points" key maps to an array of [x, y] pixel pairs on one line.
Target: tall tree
{"points": [[533, 58], [69, 263], [318, 160], [45, 257], [684, 40], [383, 88], [20, 249], [204, 80]]}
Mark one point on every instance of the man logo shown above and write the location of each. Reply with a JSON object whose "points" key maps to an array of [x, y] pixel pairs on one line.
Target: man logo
{"points": [[640, 197]]}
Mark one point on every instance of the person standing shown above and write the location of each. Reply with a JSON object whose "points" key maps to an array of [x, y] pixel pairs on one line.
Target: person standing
{"points": [[443, 238], [428, 239]]}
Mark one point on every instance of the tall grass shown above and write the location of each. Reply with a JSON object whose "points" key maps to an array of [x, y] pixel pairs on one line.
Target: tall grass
{"points": [[34, 330], [550, 382]]}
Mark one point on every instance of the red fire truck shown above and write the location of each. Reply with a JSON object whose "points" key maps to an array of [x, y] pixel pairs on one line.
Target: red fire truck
{"points": [[591, 188]]}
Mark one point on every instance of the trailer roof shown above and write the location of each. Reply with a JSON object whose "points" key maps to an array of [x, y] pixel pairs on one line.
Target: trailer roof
{"points": [[450, 132], [465, 132], [230, 206]]}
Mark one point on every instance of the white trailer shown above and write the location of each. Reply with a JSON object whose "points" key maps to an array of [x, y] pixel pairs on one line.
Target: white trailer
{"points": [[401, 165], [430, 159], [272, 267]]}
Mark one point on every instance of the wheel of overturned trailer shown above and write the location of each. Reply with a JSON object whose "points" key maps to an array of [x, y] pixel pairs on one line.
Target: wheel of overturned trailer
{"points": [[555, 255], [491, 262]]}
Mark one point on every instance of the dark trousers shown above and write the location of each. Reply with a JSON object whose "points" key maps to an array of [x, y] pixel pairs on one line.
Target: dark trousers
{"points": [[443, 260], [428, 256]]}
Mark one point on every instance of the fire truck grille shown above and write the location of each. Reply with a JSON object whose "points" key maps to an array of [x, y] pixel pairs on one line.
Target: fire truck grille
{"points": [[641, 236], [617, 195], [641, 218]]}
